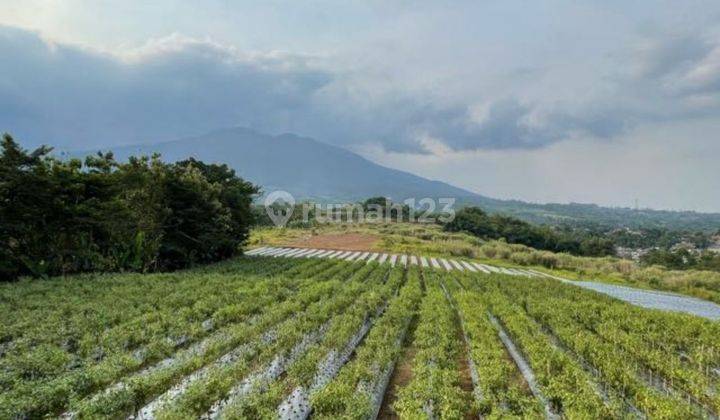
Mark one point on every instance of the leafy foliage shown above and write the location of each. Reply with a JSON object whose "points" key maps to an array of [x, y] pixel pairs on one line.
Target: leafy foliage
{"points": [[312, 214], [61, 217]]}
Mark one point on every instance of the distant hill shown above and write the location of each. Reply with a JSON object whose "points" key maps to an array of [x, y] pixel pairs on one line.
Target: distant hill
{"points": [[607, 217], [313, 170]]}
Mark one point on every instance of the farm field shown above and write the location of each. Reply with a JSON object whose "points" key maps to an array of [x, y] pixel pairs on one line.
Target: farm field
{"points": [[355, 336], [640, 297], [430, 240]]}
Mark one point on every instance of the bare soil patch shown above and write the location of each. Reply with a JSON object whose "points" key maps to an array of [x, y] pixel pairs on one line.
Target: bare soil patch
{"points": [[340, 241]]}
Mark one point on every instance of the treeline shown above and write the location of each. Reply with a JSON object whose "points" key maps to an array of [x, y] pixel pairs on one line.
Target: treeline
{"points": [[642, 237], [682, 259], [606, 218], [515, 231], [59, 217], [309, 214]]}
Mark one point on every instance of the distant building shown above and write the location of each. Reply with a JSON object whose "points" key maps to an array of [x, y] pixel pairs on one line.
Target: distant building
{"points": [[632, 253]]}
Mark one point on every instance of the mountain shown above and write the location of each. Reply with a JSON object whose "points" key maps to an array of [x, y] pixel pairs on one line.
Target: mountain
{"points": [[312, 170], [306, 168]]}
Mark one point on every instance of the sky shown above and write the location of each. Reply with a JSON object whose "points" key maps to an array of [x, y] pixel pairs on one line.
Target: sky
{"points": [[591, 101]]}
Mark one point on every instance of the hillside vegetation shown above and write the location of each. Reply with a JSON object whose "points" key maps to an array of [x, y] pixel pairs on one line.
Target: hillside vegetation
{"points": [[497, 226]]}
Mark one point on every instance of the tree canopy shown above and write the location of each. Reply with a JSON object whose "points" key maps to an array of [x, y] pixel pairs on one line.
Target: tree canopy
{"points": [[59, 217]]}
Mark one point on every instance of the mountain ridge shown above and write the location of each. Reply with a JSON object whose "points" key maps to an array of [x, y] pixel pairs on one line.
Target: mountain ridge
{"points": [[313, 170], [285, 162]]}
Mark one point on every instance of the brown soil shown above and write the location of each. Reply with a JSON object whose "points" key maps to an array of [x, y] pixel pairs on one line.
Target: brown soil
{"points": [[339, 241], [464, 369]]}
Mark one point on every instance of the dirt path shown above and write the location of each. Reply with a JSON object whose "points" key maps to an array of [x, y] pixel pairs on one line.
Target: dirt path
{"points": [[401, 375], [466, 383], [338, 241], [462, 359]]}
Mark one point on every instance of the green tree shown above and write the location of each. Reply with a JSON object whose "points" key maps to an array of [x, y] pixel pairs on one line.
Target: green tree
{"points": [[59, 217]]}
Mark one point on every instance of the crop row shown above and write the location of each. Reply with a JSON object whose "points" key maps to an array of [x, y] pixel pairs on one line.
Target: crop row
{"points": [[37, 396], [232, 382], [435, 387], [74, 297], [80, 322], [503, 391], [563, 382], [290, 398], [141, 389], [262, 337], [359, 388], [626, 340], [551, 311]]}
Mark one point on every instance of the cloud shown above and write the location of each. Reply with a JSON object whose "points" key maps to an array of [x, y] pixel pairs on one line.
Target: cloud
{"points": [[169, 88], [178, 86], [663, 55], [678, 76], [668, 166]]}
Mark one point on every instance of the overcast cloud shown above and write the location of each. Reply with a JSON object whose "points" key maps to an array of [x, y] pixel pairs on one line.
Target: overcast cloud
{"points": [[510, 92]]}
